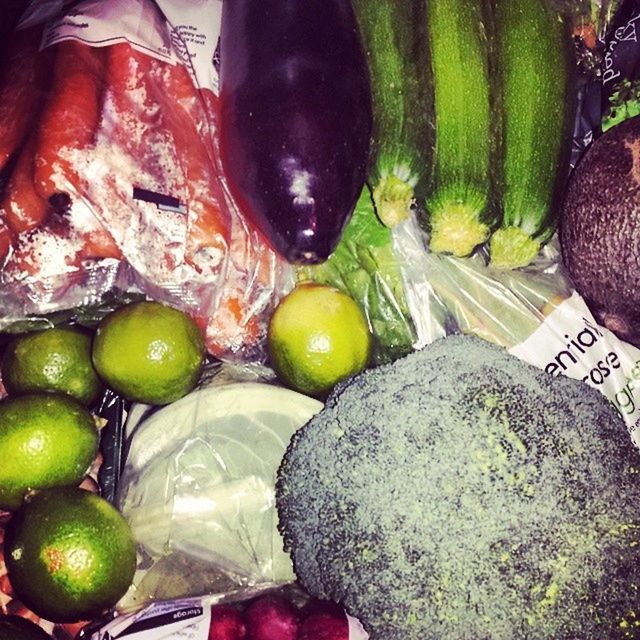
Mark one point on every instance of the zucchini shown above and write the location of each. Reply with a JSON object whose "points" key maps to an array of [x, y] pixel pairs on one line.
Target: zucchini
{"points": [[459, 215], [393, 35], [535, 79]]}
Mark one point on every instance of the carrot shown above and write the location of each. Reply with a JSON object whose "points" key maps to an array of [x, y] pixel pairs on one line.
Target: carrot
{"points": [[23, 80], [209, 220], [239, 322], [22, 207], [69, 118], [162, 123], [139, 127], [587, 33], [95, 241], [99, 244]]}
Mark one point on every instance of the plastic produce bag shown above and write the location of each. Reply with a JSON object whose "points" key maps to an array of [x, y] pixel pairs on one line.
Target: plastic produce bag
{"points": [[365, 266], [195, 618], [534, 312], [198, 489], [128, 195]]}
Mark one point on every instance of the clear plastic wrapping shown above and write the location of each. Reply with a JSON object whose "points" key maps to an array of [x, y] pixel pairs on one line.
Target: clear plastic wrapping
{"points": [[198, 489], [535, 313], [113, 183]]}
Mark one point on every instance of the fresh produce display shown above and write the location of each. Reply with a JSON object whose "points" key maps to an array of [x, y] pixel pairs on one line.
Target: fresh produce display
{"points": [[458, 205], [597, 230], [149, 352], [295, 119], [459, 492], [393, 35], [57, 359], [536, 91], [69, 554], [318, 336], [46, 440], [214, 214]]}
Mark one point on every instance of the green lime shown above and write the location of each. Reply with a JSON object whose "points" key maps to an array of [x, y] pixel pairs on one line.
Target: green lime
{"points": [[46, 440], [56, 359], [149, 352], [17, 628], [318, 336], [69, 554]]}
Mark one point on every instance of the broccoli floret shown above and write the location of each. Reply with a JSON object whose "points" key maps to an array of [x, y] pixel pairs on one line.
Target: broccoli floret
{"points": [[460, 493]]}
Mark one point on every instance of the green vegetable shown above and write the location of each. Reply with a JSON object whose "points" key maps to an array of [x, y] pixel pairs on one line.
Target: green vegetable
{"points": [[393, 37], [364, 266], [461, 493], [534, 68], [459, 216], [624, 103]]}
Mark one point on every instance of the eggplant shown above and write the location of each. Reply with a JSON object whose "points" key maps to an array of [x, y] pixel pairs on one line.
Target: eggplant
{"points": [[296, 119]]}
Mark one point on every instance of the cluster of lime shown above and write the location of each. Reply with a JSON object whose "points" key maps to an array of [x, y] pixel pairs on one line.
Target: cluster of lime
{"points": [[146, 352], [69, 553]]}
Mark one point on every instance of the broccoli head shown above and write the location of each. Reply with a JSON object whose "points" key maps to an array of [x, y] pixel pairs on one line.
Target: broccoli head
{"points": [[459, 493]]}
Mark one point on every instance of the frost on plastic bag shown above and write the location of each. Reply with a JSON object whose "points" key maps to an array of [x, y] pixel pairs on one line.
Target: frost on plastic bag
{"points": [[535, 313], [129, 194], [198, 489]]}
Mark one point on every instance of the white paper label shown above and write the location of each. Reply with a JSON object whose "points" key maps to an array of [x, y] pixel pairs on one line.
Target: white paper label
{"points": [[196, 29], [175, 31], [188, 619], [570, 342]]}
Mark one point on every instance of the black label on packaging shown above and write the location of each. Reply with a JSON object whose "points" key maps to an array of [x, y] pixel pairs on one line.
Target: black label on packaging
{"points": [[162, 620], [621, 63]]}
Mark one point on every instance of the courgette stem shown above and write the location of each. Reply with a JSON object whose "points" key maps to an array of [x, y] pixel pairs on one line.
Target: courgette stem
{"points": [[393, 35], [512, 247], [459, 216], [393, 198]]}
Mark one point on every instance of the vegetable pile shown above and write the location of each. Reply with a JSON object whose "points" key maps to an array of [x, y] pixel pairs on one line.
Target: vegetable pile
{"points": [[230, 159], [459, 492]]}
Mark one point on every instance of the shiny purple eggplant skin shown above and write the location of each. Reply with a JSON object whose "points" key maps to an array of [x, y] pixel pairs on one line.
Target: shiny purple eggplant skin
{"points": [[296, 119]]}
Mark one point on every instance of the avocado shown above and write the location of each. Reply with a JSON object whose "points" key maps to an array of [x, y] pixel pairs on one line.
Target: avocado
{"points": [[600, 229]]}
